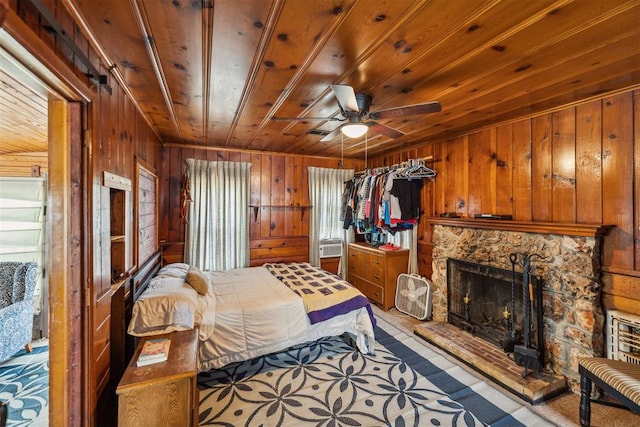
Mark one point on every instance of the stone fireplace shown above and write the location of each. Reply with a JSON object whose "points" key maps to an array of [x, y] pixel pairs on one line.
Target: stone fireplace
{"points": [[568, 270]]}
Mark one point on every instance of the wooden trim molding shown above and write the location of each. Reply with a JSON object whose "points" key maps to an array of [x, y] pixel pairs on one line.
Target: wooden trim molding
{"points": [[567, 229], [113, 69], [4, 7], [64, 233], [25, 45], [620, 271], [112, 180]]}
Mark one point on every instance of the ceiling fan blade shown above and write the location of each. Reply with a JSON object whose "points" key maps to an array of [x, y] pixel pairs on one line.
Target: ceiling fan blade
{"points": [[385, 130], [346, 97], [301, 119], [330, 136], [407, 110]]}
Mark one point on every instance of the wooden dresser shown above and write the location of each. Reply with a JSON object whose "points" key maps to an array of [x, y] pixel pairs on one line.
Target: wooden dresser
{"points": [[165, 393], [375, 272]]}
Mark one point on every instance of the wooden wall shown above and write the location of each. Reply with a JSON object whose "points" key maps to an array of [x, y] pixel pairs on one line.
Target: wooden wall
{"points": [[24, 164], [280, 212], [119, 137], [108, 134], [579, 164]]}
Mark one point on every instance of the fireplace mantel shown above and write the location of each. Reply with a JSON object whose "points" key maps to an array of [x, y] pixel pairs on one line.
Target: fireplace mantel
{"points": [[566, 229]]}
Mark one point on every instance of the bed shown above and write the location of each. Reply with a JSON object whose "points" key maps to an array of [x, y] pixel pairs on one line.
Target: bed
{"points": [[249, 312]]}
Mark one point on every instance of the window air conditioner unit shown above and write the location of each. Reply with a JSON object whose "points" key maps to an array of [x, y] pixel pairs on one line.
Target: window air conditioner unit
{"points": [[330, 248]]}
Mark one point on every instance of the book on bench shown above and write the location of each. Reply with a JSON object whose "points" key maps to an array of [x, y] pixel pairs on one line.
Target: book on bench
{"points": [[154, 350]]}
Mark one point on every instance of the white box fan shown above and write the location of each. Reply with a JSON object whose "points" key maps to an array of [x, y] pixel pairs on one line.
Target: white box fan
{"points": [[413, 296]]}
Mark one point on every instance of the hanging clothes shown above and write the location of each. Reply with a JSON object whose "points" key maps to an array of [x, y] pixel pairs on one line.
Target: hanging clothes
{"points": [[407, 192], [385, 200]]}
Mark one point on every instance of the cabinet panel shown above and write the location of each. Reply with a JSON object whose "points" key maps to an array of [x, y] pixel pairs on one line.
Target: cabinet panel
{"points": [[330, 264]]}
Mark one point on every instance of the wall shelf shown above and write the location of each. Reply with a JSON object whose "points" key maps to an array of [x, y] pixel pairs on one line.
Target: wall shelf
{"points": [[256, 208]]}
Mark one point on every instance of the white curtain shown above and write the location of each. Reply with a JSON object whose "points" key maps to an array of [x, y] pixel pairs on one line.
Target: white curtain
{"points": [[217, 234], [325, 194]]}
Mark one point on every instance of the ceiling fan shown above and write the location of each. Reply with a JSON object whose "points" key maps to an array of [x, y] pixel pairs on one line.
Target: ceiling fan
{"points": [[354, 108]]}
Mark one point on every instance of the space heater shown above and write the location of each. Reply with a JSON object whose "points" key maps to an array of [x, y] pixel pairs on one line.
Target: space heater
{"points": [[623, 336]]}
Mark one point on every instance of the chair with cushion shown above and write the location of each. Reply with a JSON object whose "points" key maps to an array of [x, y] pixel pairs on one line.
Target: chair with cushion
{"points": [[17, 285], [618, 379]]}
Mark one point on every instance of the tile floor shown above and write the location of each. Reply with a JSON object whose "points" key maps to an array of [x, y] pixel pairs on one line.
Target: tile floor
{"points": [[560, 411]]}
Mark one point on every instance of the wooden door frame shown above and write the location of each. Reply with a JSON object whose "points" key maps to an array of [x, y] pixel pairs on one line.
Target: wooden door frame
{"points": [[69, 261]]}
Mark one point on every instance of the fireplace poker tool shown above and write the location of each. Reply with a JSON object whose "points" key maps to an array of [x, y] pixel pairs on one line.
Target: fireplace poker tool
{"points": [[510, 337], [526, 355]]}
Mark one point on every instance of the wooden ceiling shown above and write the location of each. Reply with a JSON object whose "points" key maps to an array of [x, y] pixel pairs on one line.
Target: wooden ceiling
{"points": [[23, 109], [216, 73]]}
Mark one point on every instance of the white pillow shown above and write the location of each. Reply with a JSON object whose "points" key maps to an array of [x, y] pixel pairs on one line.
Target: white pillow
{"points": [[177, 269], [168, 304]]}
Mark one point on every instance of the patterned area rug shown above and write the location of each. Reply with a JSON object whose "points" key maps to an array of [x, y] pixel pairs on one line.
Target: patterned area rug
{"points": [[406, 383], [24, 387]]}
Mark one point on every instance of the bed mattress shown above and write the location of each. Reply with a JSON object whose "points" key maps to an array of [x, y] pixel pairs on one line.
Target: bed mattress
{"points": [[246, 313]]}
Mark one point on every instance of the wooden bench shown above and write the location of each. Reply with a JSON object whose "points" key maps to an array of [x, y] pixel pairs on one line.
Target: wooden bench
{"points": [[618, 379]]}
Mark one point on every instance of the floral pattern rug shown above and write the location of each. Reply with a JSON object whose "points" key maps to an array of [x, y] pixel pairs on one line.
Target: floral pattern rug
{"points": [[24, 387], [328, 383]]}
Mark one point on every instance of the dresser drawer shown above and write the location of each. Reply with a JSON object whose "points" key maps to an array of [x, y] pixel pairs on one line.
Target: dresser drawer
{"points": [[377, 277], [368, 266], [372, 291]]}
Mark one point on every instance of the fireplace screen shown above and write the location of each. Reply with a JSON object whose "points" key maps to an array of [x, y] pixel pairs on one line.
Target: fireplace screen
{"points": [[488, 302]]}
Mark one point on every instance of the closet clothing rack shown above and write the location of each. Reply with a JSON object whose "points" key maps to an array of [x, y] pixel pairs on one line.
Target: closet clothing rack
{"points": [[414, 168]]}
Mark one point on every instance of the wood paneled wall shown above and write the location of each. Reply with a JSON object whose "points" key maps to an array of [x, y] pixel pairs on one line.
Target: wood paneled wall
{"points": [[108, 135], [579, 164], [280, 208], [24, 164], [119, 136]]}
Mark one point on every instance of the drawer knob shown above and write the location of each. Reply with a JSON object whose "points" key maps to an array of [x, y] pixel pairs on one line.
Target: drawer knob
{"points": [[376, 276], [377, 294]]}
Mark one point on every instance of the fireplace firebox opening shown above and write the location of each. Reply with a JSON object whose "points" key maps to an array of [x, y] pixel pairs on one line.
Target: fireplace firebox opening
{"points": [[488, 302]]}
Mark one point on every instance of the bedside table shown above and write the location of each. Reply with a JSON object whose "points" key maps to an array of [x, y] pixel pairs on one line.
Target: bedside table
{"points": [[164, 393]]}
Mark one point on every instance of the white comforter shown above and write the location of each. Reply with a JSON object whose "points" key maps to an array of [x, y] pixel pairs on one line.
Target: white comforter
{"points": [[246, 313]]}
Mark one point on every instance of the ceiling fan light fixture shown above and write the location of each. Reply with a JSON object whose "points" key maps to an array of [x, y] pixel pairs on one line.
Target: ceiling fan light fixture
{"points": [[354, 130]]}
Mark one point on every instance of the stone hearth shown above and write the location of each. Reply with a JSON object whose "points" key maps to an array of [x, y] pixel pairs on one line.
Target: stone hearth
{"points": [[492, 362], [573, 317]]}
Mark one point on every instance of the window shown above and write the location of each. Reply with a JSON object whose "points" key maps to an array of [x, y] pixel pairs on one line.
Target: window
{"points": [[22, 228], [147, 213]]}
